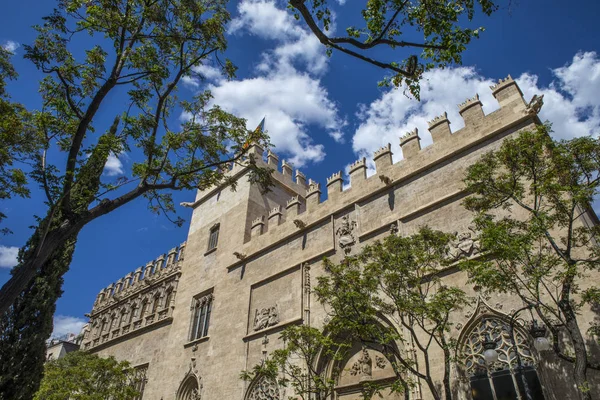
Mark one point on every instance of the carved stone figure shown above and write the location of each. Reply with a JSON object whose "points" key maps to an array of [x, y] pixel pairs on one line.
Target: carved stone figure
{"points": [[345, 234], [535, 105], [265, 317], [463, 246], [394, 228]]}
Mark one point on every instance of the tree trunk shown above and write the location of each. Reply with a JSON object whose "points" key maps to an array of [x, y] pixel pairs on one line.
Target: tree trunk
{"points": [[446, 381], [28, 323], [581, 359], [32, 263]]}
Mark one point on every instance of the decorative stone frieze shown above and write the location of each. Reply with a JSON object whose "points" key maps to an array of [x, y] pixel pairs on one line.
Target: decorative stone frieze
{"points": [[265, 317]]}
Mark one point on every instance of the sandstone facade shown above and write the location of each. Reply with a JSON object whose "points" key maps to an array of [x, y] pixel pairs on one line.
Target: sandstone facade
{"points": [[193, 319]]}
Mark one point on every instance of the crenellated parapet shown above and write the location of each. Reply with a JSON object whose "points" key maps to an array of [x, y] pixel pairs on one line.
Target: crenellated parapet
{"points": [[296, 215], [313, 195], [141, 298], [410, 144], [507, 91], [358, 170], [439, 127]]}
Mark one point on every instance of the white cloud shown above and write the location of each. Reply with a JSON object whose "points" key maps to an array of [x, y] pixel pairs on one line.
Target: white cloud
{"points": [[290, 103], [286, 86], [190, 81], [65, 324], [263, 18], [8, 256], [570, 102], [202, 72], [295, 44], [113, 166], [11, 46]]}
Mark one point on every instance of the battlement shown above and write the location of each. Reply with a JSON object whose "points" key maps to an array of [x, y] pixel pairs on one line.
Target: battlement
{"points": [[293, 200], [358, 164], [334, 177], [502, 83], [276, 210], [469, 103], [477, 127], [141, 278], [438, 120]]}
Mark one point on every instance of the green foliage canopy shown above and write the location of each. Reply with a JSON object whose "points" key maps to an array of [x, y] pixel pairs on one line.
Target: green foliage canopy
{"points": [[296, 364], [83, 376], [436, 29], [142, 48], [532, 200], [397, 280]]}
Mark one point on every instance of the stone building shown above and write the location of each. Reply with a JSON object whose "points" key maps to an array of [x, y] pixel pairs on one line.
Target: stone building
{"points": [[193, 319], [59, 347]]}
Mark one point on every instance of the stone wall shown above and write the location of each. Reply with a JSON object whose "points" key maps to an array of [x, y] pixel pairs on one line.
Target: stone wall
{"points": [[270, 249]]}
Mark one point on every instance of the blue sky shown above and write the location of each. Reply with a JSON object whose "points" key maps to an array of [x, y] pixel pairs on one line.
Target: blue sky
{"points": [[322, 113]]}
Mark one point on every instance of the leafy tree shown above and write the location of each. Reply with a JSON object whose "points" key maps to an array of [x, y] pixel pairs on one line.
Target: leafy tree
{"points": [[18, 140], [532, 198], [296, 365], [141, 49], [84, 376], [27, 325], [397, 279], [433, 28]]}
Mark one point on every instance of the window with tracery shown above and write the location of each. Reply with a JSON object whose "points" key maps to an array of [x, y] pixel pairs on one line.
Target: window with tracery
{"points": [[189, 389], [213, 237], [202, 308], [139, 380], [264, 389], [502, 380]]}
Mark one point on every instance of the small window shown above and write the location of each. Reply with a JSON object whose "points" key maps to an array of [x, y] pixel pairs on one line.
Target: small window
{"points": [[201, 316], [213, 237]]}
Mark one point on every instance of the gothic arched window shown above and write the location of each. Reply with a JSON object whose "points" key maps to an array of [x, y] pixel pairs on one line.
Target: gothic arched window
{"points": [[132, 312], [155, 304], [189, 389], [144, 308], [503, 380], [263, 388], [168, 298]]}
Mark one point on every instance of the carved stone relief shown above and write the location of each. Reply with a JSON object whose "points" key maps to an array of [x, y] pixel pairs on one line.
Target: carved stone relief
{"points": [[363, 366], [463, 246], [345, 234], [380, 362], [265, 317]]}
